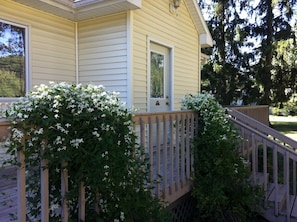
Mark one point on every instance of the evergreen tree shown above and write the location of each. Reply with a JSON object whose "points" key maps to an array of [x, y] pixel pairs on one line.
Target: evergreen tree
{"points": [[227, 75], [253, 58], [273, 27]]}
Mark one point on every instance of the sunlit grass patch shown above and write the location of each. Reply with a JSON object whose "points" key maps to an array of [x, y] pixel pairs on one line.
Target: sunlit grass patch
{"points": [[285, 125]]}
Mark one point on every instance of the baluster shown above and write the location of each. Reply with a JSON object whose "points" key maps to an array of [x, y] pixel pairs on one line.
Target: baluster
{"points": [[275, 179], [21, 175], [188, 147], [44, 183], [171, 155], [265, 171], [81, 202], [294, 177], [287, 183], [142, 136], [158, 152], [64, 190], [177, 156], [182, 131], [151, 148], [253, 158], [165, 157]]}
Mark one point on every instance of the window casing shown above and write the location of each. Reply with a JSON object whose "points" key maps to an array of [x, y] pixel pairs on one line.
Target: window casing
{"points": [[13, 60]]}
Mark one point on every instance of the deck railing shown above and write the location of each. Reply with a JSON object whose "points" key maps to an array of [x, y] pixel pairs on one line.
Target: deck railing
{"points": [[166, 139], [259, 112], [273, 161]]}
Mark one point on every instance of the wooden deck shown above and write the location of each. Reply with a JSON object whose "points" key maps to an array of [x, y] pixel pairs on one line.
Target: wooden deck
{"points": [[8, 194], [273, 155], [165, 138], [278, 198]]}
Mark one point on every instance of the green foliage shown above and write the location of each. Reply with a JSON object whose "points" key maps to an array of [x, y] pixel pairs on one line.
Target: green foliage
{"points": [[254, 55], [228, 73], [89, 133], [12, 77], [157, 75], [10, 84], [286, 108], [221, 185], [274, 70]]}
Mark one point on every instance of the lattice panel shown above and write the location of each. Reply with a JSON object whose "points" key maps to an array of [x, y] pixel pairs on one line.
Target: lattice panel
{"points": [[183, 208]]}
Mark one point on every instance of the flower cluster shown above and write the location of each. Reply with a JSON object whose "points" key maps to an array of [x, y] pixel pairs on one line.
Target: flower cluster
{"points": [[209, 111], [87, 131]]}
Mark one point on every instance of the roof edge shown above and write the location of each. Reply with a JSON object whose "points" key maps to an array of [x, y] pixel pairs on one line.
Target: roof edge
{"points": [[206, 39]]}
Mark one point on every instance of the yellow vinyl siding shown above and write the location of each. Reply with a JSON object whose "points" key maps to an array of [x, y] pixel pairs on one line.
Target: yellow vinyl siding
{"points": [[51, 43], [103, 52], [103, 48], [154, 20]]}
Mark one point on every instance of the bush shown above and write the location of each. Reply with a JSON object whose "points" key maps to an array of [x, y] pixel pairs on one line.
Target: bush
{"points": [[88, 132], [286, 108], [291, 105], [221, 185]]}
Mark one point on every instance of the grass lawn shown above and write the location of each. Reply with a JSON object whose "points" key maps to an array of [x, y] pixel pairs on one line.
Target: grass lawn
{"points": [[285, 125]]}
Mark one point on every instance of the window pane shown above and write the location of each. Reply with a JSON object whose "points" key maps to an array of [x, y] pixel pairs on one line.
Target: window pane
{"points": [[157, 75], [12, 60]]}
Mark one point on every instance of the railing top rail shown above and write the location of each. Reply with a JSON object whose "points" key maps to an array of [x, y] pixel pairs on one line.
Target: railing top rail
{"points": [[258, 133], [138, 116], [4, 121], [162, 113], [247, 107], [262, 128]]}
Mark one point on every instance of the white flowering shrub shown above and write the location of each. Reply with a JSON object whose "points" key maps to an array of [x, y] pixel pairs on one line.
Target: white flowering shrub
{"points": [[221, 177], [88, 132]]}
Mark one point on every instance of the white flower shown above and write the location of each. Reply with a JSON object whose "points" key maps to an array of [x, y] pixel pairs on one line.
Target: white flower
{"points": [[17, 134], [95, 133], [122, 217], [58, 140], [76, 142], [40, 131]]}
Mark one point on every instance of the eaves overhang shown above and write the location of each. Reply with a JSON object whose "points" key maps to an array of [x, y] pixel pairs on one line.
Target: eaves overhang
{"points": [[79, 10], [206, 39]]}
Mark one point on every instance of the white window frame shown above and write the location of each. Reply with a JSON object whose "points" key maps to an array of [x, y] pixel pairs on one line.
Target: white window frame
{"points": [[27, 69], [150, 40]]}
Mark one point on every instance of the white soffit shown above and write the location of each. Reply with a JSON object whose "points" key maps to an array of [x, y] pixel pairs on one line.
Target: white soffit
{"points": [[78, 10]]}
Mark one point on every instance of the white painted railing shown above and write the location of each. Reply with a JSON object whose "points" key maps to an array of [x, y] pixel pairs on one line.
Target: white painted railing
{"points": [[166, 139], [273, 161]]}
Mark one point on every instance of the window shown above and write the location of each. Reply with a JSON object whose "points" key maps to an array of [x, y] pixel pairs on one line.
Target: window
{"points": [[13, 60], [157, 75]]}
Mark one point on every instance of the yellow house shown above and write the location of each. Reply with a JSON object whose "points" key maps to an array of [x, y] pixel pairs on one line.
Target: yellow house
{"points": [[147, 50]]}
